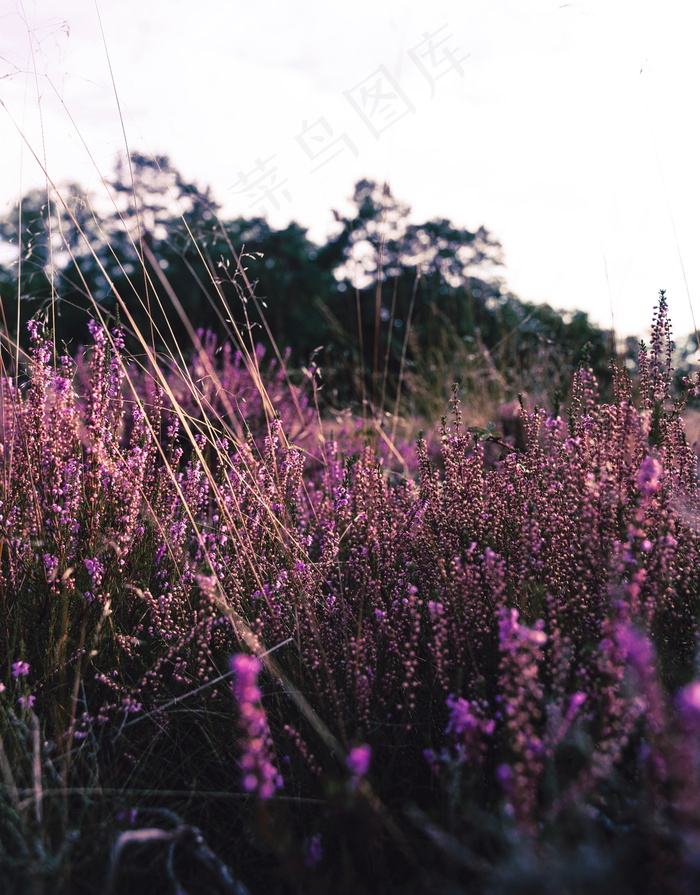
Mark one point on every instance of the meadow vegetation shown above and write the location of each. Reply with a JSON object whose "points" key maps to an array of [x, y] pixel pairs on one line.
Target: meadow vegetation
{"points": [[252, 642]]}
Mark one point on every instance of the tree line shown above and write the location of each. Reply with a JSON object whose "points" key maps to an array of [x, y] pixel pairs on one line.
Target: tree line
{"points": [[383, 305]]}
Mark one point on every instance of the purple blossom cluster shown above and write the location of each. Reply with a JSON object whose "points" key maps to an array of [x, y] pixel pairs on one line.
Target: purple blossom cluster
{"points": [[513, 632]]}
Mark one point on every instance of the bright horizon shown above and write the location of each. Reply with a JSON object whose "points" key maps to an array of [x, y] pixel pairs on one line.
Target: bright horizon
{"points": [[564, 129]]}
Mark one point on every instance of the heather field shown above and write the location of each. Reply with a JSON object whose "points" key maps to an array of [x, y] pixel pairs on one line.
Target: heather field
{"points": [[249, 647]]}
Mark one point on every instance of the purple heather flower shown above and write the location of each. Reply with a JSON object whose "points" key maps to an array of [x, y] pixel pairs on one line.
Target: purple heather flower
{"points": [[245, 685], [575, 704], [34, 327], [509, 630], [468, 724], [435, 609], [20, 669], [97, 332], [461, 717], [688, 704], [259, 772], [649, 475], [51, 562], [358, 760], [504, 775], [508, 624], [314, 850], [637, 647], [94, 570], [26, 702], [554, 422]]}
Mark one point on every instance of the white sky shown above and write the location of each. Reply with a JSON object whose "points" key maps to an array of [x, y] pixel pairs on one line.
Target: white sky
{"points": [[569, 130]]}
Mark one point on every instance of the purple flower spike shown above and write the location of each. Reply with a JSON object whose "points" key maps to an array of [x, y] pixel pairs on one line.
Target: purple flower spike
{"points": [[259, 774]]}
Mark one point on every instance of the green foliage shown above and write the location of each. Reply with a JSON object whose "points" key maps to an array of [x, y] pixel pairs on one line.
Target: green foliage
{"points": [[391, 310]]}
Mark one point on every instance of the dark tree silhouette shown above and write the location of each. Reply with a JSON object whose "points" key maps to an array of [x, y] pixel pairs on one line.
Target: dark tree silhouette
{"points": [[384, 304]]}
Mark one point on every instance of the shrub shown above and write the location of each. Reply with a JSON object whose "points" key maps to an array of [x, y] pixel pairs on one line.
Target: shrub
{"points": [[470, 677]]}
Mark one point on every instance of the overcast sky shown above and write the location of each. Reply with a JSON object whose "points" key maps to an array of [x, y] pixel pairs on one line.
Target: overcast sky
{"points": [[569, 130]]}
